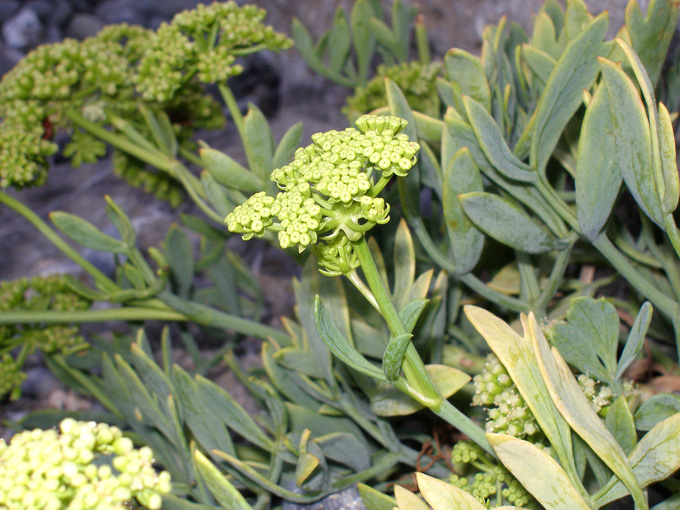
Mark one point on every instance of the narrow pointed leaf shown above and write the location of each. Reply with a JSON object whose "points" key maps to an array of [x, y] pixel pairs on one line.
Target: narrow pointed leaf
{"points": [[539, 62], [224, 492], [636, 339], [363, 38], [669, 165], [394, 355], [538, 472], [340, 346], [404, 264], [493, 145], [410, 313], [286, 148], [507, 223], [575, 70], [228, 172], [85, 233], [339, 41], [258, 143]]}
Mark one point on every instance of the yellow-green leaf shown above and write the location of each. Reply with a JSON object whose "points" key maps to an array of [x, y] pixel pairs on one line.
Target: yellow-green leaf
{"points": [[576, 409], [445, 496], [538, 472]]}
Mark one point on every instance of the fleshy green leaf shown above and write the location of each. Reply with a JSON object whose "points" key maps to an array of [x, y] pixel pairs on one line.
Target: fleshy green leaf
{"points": [[493, 145], [228, 172], [406, 500], [258, 143], [507, 223], [340, 346], [669, 166], [363, 38], [636, 339], [225, 493], [619, 421], [287, 146], [339, 41], [575, 70], [389, 401], [375, 500], [540, 62], [466, 241], [652, 34], [598, 178], [394, 355], [633, 139], [444, 496], [656, 409], [467, 78], [404, 265], [180, 256], [590, 338], [85, 233], [517, 355], [656, 457], [538, 472]]}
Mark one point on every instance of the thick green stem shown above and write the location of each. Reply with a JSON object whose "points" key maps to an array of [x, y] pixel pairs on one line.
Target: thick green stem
{"points": [[418, 384], [157, 160], [234, 110], [207, 316], [84, 316], [103, 280]]}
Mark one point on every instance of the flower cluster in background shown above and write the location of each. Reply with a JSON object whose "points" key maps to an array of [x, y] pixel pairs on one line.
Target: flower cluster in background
{"points": [[83, 466]]}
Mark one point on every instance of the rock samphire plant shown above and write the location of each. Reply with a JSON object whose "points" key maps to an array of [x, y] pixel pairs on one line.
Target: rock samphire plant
{"points": [[489, 362]]}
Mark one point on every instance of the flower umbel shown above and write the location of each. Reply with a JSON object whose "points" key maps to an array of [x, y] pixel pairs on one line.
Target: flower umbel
{"points": [[50, 470], [329, 191]]}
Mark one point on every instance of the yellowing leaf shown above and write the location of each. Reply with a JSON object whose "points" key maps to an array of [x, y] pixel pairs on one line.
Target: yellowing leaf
{"points": [[444, 496], [538, 472]]}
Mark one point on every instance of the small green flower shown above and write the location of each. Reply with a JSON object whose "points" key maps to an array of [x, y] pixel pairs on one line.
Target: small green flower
{"points": [[329, 191], [83, 466]]}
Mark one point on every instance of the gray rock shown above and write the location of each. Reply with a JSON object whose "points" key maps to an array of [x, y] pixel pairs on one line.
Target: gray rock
{"points": [[22, 30], [7, 9], [9, 58], [348, 499], [119, 11], [82, 26], [53, 12], [53, 35]]}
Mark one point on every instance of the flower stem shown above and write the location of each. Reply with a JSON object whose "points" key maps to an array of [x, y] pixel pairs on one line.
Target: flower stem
{"points": [[418, 384]]}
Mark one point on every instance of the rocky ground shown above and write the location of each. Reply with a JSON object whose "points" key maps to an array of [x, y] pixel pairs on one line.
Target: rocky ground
{"points": [[283, 87]]}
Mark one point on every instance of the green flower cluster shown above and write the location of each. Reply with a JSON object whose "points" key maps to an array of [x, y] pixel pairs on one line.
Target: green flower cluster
{"points": [[11, 377], [95, 78], [203, 42], [83, 466], [329, 190], [36, 294], [508, 413], [478, 474], [417, 82]]}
